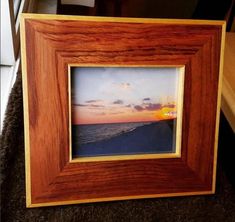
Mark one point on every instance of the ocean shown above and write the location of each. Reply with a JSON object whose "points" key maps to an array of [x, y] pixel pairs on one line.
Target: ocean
{"points": [[96, 132], [123, 138]]}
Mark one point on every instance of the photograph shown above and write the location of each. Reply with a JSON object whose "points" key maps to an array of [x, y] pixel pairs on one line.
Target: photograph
{"points": [[124, 110]]}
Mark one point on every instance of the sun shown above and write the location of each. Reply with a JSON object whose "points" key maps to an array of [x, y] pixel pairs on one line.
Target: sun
{"points": [[166, 113]]}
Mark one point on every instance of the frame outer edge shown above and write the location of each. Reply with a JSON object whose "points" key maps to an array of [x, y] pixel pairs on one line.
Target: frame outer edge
{"points": [[26, 112], [25, 16], [121, 198], [221, 65], [122, 19]]}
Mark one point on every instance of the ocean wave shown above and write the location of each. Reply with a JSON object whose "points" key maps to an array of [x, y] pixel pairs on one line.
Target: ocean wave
{"points": [[84, 134], [156, 137]]}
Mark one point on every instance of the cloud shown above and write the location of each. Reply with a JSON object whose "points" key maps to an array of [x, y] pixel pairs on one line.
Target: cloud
{"points": [[148, 107], [95, 106], [118, 102], [153, 106], [79, 104], [138, 108], [129, 105], [89, 105], [123, 85], [93, 101], [146, 99], [169, 106]]}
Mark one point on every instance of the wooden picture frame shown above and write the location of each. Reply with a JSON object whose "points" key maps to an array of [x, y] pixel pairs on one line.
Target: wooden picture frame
{"points": [[50, 43]]}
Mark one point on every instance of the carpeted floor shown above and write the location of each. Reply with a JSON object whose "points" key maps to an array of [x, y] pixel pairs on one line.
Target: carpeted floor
{"points": [[218, 207]]}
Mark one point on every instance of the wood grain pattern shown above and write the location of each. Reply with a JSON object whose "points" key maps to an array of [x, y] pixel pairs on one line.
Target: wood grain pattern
{"points": [[52, 43], [228, 92]]}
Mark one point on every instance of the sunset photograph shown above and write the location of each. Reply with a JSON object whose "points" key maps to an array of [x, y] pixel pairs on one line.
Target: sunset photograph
{"points": [[123, 111]]}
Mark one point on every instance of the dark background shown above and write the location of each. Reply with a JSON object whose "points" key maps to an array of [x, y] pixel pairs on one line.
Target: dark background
{"points": [[182, 9]]}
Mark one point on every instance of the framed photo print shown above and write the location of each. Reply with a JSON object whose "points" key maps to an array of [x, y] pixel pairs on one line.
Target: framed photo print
{"points": [[125, 111], [119, 108]]}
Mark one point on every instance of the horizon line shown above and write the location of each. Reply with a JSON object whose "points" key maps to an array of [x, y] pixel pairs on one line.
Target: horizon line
{"points": [[126, 122]]}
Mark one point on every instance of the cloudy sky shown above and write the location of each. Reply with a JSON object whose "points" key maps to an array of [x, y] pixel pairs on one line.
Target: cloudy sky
{"points": [[112, 95]]}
